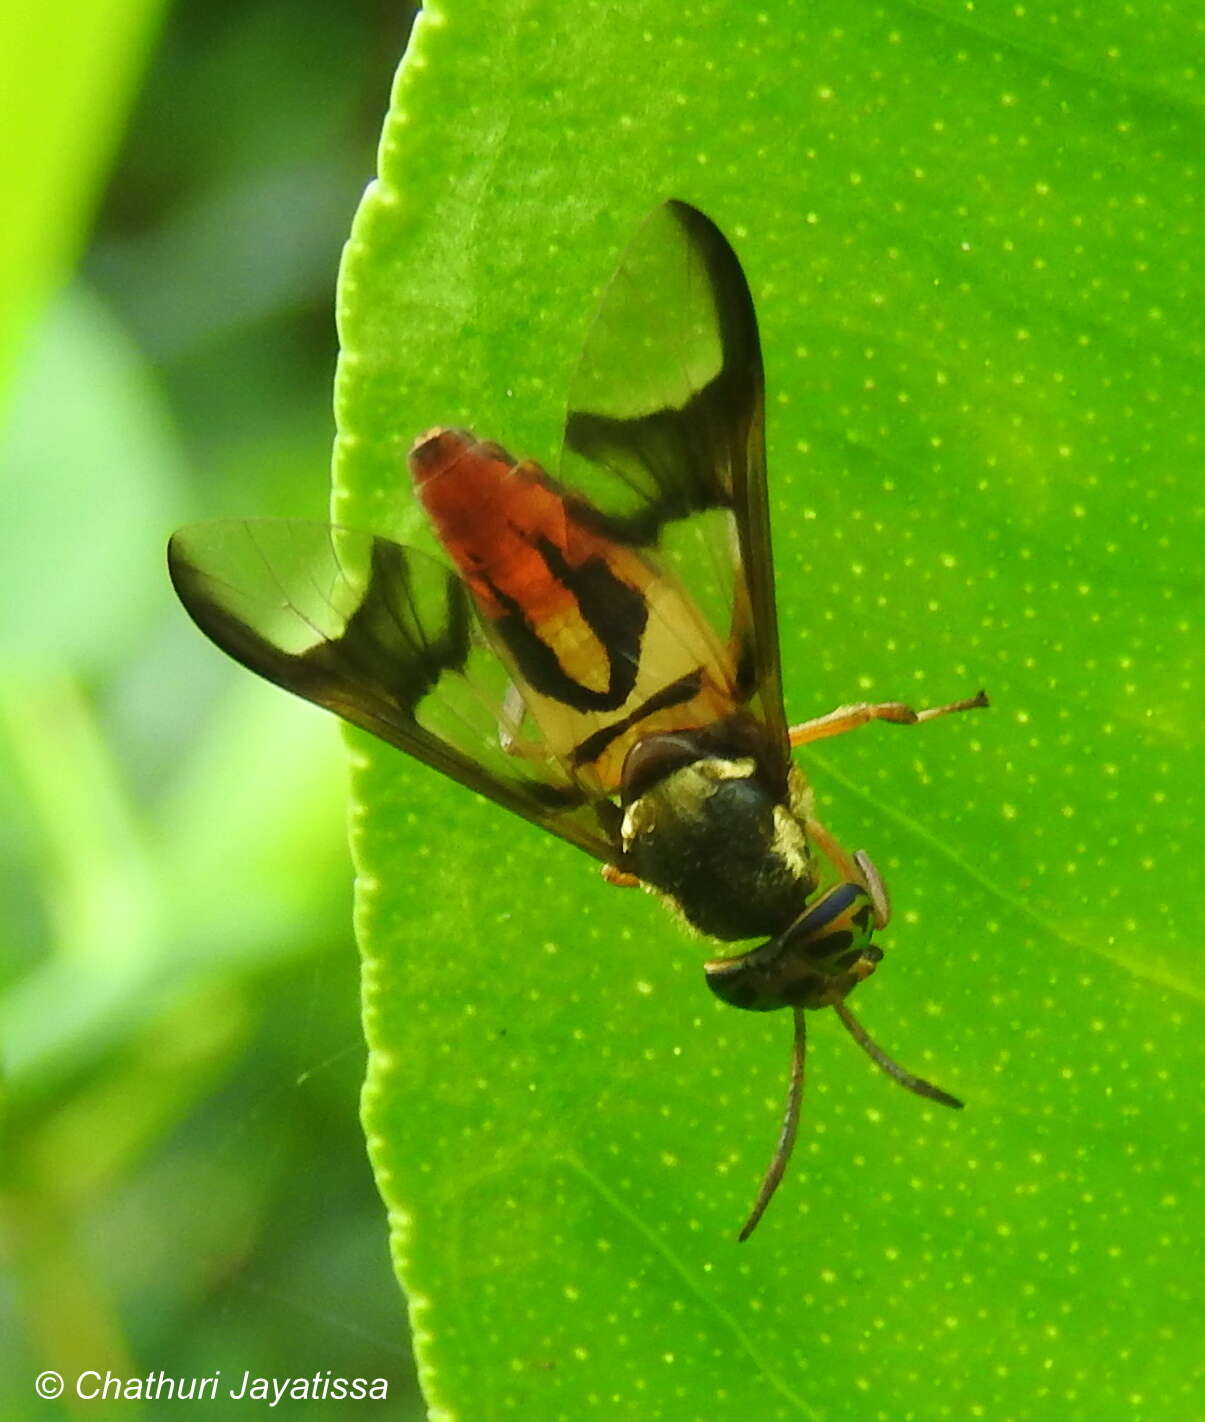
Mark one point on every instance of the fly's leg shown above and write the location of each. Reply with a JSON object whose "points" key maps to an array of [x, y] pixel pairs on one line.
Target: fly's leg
{"points": [[856, 868], [510, 719], [859, 868], [873, 882], [848, 718], [620, 878], [511, 741]]}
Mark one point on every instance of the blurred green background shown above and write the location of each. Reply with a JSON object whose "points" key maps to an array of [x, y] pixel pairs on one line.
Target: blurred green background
{"points": [[185, 1175]]}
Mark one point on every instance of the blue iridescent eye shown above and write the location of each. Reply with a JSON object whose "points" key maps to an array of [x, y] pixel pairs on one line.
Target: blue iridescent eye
{"points": [[837, 926], [829, 908]]}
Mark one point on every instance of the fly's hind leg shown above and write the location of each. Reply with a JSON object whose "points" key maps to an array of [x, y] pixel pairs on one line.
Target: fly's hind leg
{"points": [[620, 878], [510, 723], [848, 718], [512, 739]]}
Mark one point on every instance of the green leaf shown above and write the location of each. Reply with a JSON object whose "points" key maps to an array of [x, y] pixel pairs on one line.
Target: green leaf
{"points": [[974, 245]]}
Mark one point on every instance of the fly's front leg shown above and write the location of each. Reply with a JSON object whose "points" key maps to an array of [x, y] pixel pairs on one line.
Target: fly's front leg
{"points": [[856, 868], [875, 887], [848, 718]]}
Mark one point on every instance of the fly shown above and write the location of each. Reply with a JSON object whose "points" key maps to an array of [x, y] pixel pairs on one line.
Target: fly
{"points": [[598, 652]]}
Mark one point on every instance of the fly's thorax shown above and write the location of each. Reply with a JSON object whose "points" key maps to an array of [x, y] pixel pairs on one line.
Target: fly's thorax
{"points": [[711, 829], [816, 962]]}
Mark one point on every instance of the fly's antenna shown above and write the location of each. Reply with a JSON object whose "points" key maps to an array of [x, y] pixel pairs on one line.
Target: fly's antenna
{"points": [[893, 1069], [790, 1128]]}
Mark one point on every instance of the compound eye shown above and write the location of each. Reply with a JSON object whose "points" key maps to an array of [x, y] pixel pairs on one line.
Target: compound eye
{"points": [[836, 929]]}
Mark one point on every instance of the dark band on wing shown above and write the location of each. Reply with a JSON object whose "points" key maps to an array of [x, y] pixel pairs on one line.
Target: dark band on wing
{"points": [[686, 688], [694, 446], [384, 645], [696, 452], [383, 654], [406, 632], [614, 612]]}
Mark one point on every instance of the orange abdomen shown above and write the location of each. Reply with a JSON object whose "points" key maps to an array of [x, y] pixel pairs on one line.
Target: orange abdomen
{"points": [[499, 522]]}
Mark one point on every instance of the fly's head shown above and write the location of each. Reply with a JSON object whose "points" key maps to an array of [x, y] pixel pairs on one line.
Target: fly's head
{"points": [[824, 954]]}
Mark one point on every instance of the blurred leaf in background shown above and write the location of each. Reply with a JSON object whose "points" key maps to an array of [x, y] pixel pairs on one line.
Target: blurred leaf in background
{"points": [[185, 1186], [972, 234], [54, 154]]}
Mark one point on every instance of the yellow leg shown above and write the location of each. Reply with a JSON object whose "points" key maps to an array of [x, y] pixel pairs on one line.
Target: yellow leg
{"points": [[847, 718], [832, 849], [619, 877], [856, 868]]}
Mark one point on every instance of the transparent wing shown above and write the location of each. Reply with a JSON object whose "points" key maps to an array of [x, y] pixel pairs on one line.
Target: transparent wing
{"points": [[388, 639], [665, 435]]}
